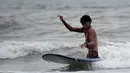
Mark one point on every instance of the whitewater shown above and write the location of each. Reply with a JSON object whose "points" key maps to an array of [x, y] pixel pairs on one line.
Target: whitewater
{"points": [[31, 28]]}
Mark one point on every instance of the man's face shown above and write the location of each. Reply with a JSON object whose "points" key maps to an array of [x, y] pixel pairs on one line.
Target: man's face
{"points": [[86, 25]]}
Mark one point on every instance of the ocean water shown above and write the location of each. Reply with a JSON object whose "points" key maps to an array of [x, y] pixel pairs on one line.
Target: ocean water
{"points": [[31, 28]]}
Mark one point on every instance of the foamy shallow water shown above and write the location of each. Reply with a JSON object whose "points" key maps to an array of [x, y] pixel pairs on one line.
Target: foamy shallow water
{"points": [[29, 29], [112, 71]]}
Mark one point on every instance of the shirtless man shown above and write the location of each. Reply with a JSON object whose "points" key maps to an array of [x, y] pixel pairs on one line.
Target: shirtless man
{"points": [[90, 35]]}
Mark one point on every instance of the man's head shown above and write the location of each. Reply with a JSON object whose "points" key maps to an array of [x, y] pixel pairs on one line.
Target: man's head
{"points": [[86, 21], [85, 18]]}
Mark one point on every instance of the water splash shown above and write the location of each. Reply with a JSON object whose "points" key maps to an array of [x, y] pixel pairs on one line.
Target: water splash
{"points": [[13, 49]]}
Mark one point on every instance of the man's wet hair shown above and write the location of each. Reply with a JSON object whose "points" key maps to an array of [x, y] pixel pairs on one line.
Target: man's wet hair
{"points": [[85, 18]]}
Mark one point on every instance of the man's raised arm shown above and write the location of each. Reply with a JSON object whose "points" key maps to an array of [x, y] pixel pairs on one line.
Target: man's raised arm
{"points": [[70, 27]]}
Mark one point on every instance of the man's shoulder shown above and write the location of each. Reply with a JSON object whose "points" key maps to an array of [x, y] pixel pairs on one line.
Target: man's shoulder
{"points": [[91, 30]]}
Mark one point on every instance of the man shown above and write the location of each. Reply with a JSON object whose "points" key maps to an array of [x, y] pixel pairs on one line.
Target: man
{"points": [[90, 35]]}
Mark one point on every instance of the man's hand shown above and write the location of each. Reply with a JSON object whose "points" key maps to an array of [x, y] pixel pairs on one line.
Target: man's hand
{"points": [[61, 17], [83, 45]]}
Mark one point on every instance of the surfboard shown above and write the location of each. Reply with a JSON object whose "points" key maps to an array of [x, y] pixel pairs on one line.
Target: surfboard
{"points": [[57, 58]]}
